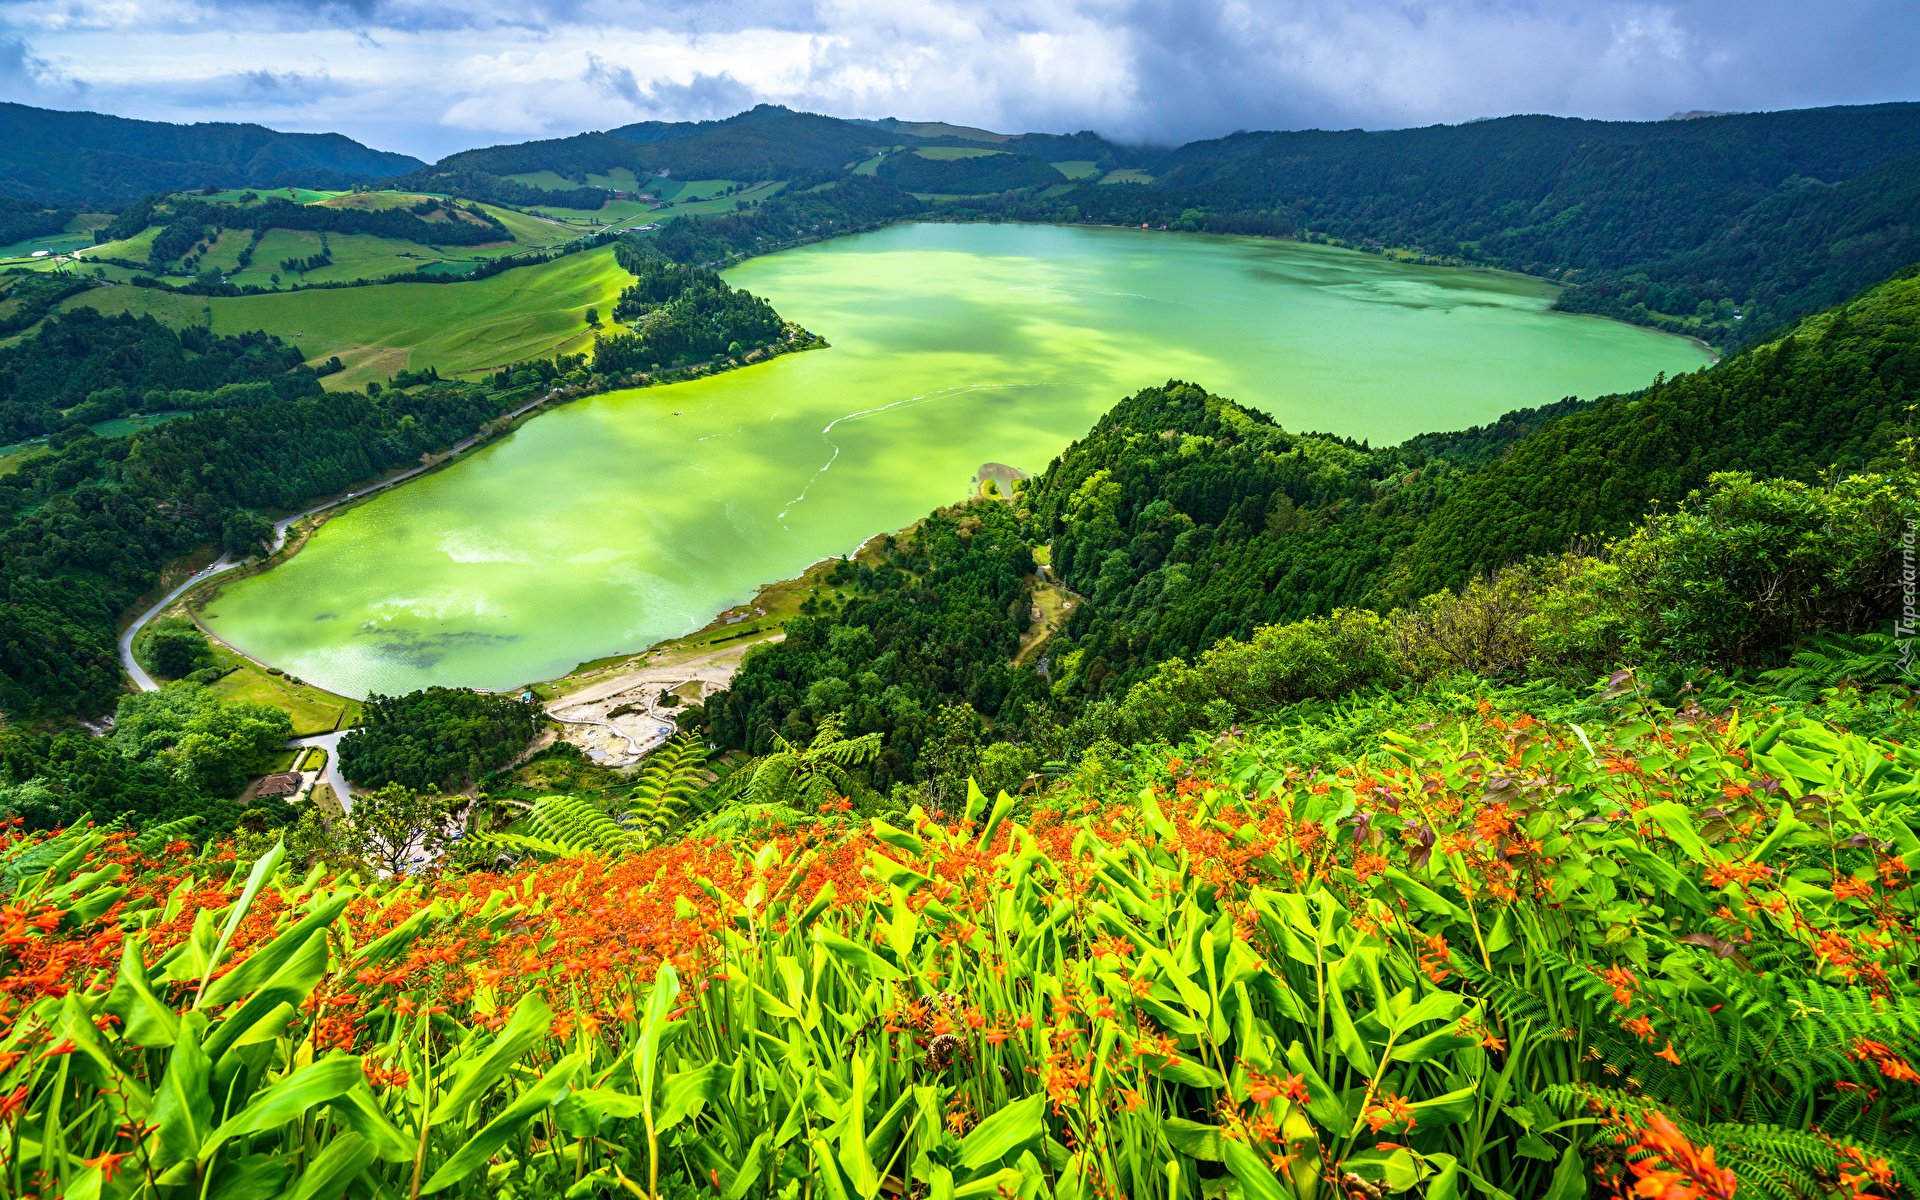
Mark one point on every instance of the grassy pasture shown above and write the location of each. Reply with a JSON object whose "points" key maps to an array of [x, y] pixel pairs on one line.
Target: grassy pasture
{"points": [[711, 203], [373, 201], [1129, 175], [1077, 169], [535, 311]]}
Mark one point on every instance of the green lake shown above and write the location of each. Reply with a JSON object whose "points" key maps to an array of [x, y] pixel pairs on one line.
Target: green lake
{"points": [[626, 518]]}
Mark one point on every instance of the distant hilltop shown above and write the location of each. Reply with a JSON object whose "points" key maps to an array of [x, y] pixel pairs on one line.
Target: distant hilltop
{"points": [[1694, 113]]}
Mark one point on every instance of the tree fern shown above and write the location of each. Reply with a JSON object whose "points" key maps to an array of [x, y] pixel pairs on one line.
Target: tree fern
{"points": [[803, 778], [156, 838], [673, 775]]}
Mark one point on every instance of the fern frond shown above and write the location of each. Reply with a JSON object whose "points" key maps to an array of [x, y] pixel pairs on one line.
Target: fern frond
{"points": [[673, 775], [156, 838]]}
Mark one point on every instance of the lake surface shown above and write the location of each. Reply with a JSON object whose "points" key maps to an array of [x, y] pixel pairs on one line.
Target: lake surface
{"points": [[626, 518]]}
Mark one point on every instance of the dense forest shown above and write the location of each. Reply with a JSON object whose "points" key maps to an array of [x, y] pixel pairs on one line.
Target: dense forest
{"points": [[678, 314], [963, 176], [437, 739], [85, 158], [80, 367], [86, 525], [853, 202], [23, 219], [186, 221]]}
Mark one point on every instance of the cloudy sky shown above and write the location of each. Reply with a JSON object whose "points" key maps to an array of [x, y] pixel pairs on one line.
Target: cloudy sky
{"points": [[428, 77]]}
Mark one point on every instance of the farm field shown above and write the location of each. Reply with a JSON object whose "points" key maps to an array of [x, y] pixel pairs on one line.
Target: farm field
{"points": [[1129, 175], [1077, 170], [378, 330]]}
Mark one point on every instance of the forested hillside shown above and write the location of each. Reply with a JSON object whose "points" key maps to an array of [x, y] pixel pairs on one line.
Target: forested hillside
{"points": [[86, 526], [1184, 519], [82, 158]]}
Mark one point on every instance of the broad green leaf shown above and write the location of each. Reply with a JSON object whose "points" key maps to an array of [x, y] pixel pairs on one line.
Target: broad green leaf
{"points": [[292, 1097], [1004, 1182], [256, 879], [653, 1024], [1323, 1103], [255, 1177], [291, 984], [683, 1094], [750, 1167], [1437, 1006], [473, 1156], [1184, 1070], [145, 1019], [396, 939], [360, 1112], [1570, 1177], [328, 1175], [1193, 1139], [1450, 1109], [1676, 822], [482, 1068], [264, 961], [857, 957], [1004, 1132], [182, 1109], [1257, 1182]]}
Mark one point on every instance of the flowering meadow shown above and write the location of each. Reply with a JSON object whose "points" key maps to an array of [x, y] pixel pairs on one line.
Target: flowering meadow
{"points": [[1668, 954]]}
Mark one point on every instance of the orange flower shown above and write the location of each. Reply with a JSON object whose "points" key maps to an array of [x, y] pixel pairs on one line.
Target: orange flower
{"points": [[108, 1163], [1668, 1053], [1851, 889]]}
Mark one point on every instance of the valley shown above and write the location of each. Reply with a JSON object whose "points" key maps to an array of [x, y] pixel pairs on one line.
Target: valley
{"points": [[629, 517]]}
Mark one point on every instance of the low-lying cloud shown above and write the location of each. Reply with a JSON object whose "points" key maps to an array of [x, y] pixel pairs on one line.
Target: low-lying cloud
{"points": [[429, 76]]}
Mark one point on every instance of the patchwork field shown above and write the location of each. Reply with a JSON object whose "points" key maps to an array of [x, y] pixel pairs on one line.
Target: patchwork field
{"points": [[466, 327], [1078, 169], [952, 152]]}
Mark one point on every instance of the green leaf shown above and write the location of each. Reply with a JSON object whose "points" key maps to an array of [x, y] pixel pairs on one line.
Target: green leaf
{"points": [[292, 1097], [646, 1056], [1256, 1181], [857, 957], [291, 985], [481, 1146], [1450, 1109], [527, 1026], [684, 1094], [360, 1112], [1005, 1182], [1570, 1177], [256, 879], [1004, 1132], [1193, 1139], [182, 1109], [145, 1020], [328, 1175], [255, 1177], [264, 961], [1677, 823], [1185, 1070]]}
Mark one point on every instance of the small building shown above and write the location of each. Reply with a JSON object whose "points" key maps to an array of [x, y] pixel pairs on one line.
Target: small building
{"points": [[287, 783]]}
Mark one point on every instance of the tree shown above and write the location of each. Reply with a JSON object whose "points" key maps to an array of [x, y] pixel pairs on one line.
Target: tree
{"points": [[174, 648], [396, 827], [210, 744], [593, 316], [246, 534]]}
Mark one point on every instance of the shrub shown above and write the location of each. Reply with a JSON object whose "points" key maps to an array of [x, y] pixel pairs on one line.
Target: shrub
{"points": [[175, 648]]}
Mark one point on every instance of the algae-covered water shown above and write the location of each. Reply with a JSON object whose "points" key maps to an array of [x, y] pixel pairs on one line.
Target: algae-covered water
{"points": [[622, 519]]}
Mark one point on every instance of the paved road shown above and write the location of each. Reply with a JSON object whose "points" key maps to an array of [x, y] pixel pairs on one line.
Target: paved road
{"points": [[140, 677], [330, 742]]}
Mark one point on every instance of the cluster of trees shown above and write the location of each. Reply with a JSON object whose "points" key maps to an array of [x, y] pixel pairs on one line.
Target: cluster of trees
{"points": [[441, 739], [81, 367], [312, 262], [30, 295], [962, 176], [679, 314], [174, 647], [178, 752], [934, 627], [458, 176], [23, 219], [186, 221]]}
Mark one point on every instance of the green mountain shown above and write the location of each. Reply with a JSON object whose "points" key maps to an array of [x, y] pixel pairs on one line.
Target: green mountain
{"points": [[79, 159]]}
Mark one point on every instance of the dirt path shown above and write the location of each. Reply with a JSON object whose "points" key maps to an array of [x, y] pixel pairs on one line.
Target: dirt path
{"points": [[613, 741]]}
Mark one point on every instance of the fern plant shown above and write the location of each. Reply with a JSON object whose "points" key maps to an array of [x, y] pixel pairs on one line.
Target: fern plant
{"points": [[1868, 659], [567, 826], [805, 778]]}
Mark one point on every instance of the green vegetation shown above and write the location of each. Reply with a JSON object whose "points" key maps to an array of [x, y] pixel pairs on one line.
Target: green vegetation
{"points": [[183, 751], [853, 203], [1184, 519], [75, 158], [173, 648], [989, 171], [679, 315], [440, 738], [309, 708]]}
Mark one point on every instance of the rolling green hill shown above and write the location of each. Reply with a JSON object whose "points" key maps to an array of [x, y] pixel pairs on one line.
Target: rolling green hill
{"points": [[76, 159]]}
